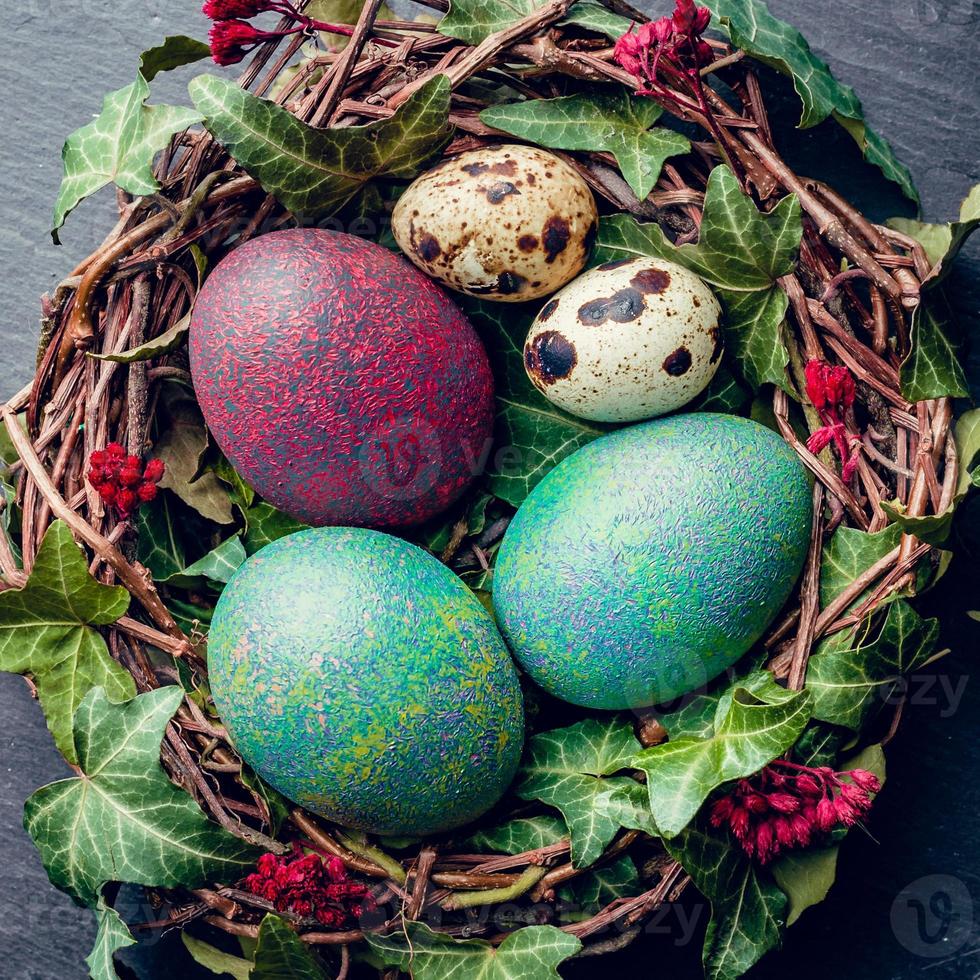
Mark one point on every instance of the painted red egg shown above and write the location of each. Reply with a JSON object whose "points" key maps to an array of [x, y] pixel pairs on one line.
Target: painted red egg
{"points": [[340, 382]]}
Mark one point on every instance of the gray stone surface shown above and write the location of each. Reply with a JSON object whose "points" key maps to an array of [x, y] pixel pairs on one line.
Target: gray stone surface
{"points": [[913, 63]]}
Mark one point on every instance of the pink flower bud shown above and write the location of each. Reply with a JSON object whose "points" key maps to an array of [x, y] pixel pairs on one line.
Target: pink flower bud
{"points": [[783, 802], [868, 781]]}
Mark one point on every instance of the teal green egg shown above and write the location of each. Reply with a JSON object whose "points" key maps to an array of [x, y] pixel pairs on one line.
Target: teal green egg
{"points": [[649, 561], [360, 677]]}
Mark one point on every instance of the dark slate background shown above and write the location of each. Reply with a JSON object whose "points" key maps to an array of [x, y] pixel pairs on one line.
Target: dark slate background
{"points": [[907, 902]]}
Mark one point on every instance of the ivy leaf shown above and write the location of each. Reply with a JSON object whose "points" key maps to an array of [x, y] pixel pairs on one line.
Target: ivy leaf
{"points": [[820, 744], [572, 770], [852, 672], [520, 835], [214, 959], [682, 773], [158, 545], [932, 368], [48, 630], [806, 877], [474, 21], [282, 955], [182, 447], [848, 555], [313, 172], [532, 953], [600, 886], [742, 253], [168, 341], [753, 28], [613, 121], [747, 909], [942, 243], [532, 436], [264, 524], [119, 146], [113, 934], [218, 565], [595, 17], [724, 394], [122, 819]]}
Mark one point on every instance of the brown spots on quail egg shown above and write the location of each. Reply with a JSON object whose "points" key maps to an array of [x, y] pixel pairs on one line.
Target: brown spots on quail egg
{"points": [[628, 340], [507, 223]]}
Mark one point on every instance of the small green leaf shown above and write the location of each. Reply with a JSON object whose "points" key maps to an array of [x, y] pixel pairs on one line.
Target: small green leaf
{"points": [[612, 121], [852, 671], [531, 436], [573, 769], [264, 524], [119, 146], [182, 447], [595, 17], [742, 253], [218, 565], [820, 744], [176, 51], [214, 959], [313, 172], [113, 934], [122, 819], [282, 955], [168, 341], [474, 21], [48, 630], [848, 555], [532, 953], [932, 368], [747, 909], [806, 877], [520, 835], [159, 545], [682, 773], [600, 886], [724, 394], [753, 28]]}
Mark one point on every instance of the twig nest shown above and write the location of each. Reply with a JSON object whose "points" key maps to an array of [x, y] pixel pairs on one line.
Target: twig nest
{"points": [[508, 223], [627, 340]]}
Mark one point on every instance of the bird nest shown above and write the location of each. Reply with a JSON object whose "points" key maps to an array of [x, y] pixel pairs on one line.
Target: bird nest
{"points": [[113, 368]]}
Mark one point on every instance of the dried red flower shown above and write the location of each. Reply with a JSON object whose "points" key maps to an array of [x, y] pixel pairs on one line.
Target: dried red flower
{"points": [[831, 391], [123, 482], [231, 40], [787, 806], [235, 9], [307, 885]]}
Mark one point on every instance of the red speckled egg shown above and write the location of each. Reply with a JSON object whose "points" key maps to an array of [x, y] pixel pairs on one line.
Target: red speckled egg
{"points": [[340, 382]]}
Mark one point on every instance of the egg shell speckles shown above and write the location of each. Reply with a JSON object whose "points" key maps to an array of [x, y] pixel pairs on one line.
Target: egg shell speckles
{"points": [[508, 223], [652, 559], [341, 383], [362, 679], [627, 340]]}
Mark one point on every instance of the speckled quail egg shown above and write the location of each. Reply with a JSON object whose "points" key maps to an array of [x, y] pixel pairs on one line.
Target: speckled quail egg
{"points": [[507, 223], [627, 340]]}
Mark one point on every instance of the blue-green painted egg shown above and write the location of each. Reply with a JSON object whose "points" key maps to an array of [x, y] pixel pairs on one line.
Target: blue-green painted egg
{"points": [[652, 559], [362, 679]]}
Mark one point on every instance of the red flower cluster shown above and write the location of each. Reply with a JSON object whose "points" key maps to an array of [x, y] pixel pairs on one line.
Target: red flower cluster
{"points": [[831, 391], [122, 481], [789, 806], [231, 40], [677, 38], [308, 886]]}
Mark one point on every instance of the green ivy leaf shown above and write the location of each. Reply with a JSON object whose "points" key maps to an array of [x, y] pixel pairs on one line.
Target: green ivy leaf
{"points": [[747, 909], [612, 121], [852, 672], [531, 436], [532, 953], [168, 341], [113, 934], [595, 17], [182, 448], [806, 877], [48, 630], [850, 553], [942, 243], [753, 28], [742, 253], [820, 744], [600, 886], [218, 565], [264, 524], [682, 773], [474, 21], [214, 959], [313, 172], [122, 819], [572, 769], [724, 394], [932, 368], [520, 835], [282, 955], [158, 545], [120, 144], [176, 51]]}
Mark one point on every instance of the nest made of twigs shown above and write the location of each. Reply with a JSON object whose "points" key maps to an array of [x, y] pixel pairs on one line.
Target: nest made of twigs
{"points": [[141, 281]]}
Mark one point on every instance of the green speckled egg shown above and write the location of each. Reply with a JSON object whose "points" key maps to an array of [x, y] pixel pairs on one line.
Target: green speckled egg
{"points": [[649, 561], [364, 681]]}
